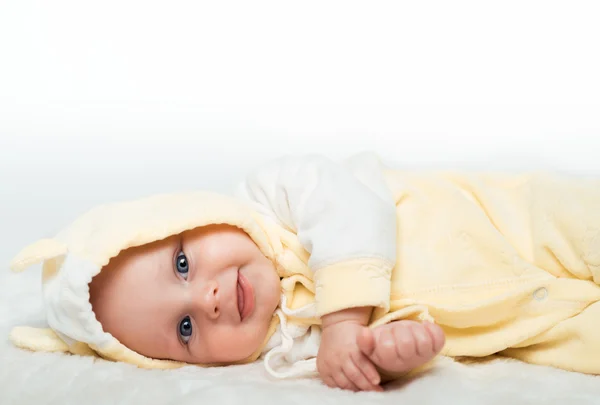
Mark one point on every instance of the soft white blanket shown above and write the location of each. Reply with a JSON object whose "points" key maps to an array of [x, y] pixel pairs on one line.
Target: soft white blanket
{"points": [[42, 378]]}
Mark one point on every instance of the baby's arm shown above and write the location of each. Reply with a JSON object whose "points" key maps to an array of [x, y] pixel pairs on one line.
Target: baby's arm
{"points": [[344, 216], [350, 351], [340, 361]]}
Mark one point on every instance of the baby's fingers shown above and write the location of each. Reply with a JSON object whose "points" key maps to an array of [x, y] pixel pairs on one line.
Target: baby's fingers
{"points": [[423, 340], [437, 334], [366, 342], [342, 381], [358, 378], [366, 366]]}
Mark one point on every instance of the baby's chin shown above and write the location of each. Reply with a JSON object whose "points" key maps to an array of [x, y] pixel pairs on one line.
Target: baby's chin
{"points": [[241, 352], [227, 360]]}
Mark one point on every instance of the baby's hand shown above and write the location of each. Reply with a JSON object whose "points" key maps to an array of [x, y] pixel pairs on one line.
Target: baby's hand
{"points": [[340, 361], [401, 346]]}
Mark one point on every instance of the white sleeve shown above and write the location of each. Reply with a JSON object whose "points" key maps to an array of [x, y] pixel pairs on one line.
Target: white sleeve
{"points": [[344, 216]]}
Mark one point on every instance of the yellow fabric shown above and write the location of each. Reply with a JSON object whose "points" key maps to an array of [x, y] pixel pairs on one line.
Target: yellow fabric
{"points": [[38, 339], [572, 344], [37, 252], [505, 264], [334, 281], [502, 261]]}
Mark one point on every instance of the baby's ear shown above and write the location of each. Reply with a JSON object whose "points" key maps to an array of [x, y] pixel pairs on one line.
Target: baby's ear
{"points": [[37, 252], [45, 340]]}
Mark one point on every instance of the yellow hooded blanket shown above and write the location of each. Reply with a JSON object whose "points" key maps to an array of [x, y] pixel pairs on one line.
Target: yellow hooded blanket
{"points": [[504, 263]]}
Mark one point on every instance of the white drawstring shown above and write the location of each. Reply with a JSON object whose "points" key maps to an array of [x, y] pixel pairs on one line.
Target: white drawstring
{"points": [[299, 368], [307, 311]]}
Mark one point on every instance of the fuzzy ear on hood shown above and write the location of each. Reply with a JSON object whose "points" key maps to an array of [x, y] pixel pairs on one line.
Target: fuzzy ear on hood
{"points": [[79, 252], [43, 249]]}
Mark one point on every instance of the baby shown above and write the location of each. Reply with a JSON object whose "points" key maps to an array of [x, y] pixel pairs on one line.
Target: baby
{"points": [[208, 295], [355, 271]]}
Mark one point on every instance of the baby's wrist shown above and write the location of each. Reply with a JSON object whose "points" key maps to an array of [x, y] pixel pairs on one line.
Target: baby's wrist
{"points": [[358, 315]]}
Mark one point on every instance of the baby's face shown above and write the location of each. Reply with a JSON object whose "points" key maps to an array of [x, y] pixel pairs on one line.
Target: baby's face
{"points": [[204, 296]]}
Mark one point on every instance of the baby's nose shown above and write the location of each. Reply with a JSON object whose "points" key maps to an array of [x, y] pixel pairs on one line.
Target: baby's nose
{"points": [[209, 299]]}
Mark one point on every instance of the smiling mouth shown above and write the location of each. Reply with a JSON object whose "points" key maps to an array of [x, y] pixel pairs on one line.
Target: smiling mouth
{"points": [[245, 296], [240, 297]]}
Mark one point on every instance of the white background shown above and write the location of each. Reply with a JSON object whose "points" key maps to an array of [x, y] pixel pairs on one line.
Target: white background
{"points": [[105, 100], [115, 99]]}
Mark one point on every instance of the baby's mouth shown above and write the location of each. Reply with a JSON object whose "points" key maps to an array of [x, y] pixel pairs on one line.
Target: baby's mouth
{"points": [[245, 296], [240, 296]]}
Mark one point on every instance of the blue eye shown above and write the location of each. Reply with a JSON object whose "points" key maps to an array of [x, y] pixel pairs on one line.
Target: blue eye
{"points": [[185, 329], [181, 265]]}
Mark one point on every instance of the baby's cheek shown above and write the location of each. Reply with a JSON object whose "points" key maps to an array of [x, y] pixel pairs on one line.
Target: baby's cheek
{"points": [[232, 344]]}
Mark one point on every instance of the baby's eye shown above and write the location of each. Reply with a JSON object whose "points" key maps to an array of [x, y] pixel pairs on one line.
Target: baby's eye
{"points": [[181, 265], [185, 329]]}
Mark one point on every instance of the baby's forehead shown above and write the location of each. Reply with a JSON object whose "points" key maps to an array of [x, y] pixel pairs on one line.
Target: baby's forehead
{"points": [[144, 255], [132, 281], [124, 300], [137, 265]]}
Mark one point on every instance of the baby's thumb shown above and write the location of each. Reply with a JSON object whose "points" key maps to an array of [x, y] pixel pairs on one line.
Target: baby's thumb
{"points": [[366, 342]]}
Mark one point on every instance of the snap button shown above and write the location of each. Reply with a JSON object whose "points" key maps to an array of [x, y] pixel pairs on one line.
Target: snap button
{"points": [[540, 294]]}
